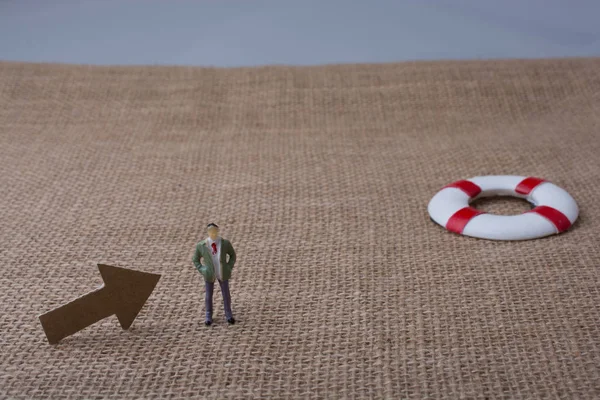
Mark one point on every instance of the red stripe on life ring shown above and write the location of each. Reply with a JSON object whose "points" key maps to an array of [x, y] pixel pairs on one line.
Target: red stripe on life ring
{"points": [[528, 184], [560, 220], [461, 218], [468, 187]]}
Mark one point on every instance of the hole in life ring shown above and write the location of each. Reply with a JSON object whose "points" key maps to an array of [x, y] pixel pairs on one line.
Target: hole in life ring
{"points": [[502, 205]]}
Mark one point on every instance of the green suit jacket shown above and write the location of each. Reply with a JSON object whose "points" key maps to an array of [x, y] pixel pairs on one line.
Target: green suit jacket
{"points": [[208, 270]]}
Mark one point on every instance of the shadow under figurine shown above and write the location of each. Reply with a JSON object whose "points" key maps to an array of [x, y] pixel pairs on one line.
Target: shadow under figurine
{"points": [[219, 258]]}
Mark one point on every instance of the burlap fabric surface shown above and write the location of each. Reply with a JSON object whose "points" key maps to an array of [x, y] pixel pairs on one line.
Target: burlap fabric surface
{"points": [[320, 177]]}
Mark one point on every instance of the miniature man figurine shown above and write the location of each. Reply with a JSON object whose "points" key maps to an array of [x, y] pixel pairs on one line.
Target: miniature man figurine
{"points": [[214, 251]]}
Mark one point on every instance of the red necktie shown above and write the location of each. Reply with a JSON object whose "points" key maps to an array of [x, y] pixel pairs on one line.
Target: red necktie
{"points": [[214, 246]]}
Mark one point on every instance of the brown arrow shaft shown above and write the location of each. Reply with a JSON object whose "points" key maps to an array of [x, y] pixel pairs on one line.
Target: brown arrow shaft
{"points": [[78, 314]]}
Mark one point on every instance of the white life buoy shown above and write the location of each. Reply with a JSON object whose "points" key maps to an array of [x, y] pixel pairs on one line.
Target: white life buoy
{"points": [[554, 212]]}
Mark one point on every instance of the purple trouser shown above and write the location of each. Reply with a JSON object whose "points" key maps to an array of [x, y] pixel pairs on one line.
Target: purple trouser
{"points": [[210, 287]]}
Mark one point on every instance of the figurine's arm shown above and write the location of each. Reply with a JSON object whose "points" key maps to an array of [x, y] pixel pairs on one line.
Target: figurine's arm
{"points": [[231, 255]]}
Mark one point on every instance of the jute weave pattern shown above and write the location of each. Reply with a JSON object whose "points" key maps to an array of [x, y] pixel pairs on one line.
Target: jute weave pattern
{"points": [[320, 177]]}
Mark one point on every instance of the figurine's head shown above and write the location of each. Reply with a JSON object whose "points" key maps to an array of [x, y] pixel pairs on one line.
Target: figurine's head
{"points": [[213, 230]]}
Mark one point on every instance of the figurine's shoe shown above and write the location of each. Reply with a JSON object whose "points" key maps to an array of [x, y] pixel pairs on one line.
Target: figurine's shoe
{"points": [[208, 322], [231, 320]]}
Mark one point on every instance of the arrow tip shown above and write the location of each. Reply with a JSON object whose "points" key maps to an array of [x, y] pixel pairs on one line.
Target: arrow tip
{"points": [[130, 289]]}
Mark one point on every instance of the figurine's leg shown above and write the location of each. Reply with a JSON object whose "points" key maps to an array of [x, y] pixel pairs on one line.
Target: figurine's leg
{"points": [[226, 301], [208, 301]]}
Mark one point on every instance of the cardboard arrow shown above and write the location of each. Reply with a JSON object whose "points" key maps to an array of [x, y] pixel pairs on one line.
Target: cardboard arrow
{"points": [[124, 293]]}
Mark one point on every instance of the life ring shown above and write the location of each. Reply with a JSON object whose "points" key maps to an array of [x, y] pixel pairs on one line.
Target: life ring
{"points": [[554, 212]]}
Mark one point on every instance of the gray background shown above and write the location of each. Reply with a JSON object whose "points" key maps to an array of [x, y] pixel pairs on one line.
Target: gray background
{"points": [[237, 32]]}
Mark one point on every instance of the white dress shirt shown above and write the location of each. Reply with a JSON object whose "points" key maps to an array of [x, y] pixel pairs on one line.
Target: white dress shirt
{"points": [[216, 258]]}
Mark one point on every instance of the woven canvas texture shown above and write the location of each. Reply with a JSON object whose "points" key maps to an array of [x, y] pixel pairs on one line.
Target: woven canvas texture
{"points": [[320, 177]]}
